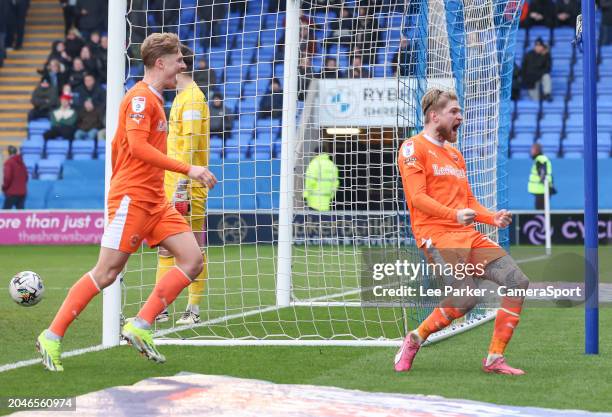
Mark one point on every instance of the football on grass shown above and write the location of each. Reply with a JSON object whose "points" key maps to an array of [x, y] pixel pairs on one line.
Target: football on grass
{"points": [[26, 288]]}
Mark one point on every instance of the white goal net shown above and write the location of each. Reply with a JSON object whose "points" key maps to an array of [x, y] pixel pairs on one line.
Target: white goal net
{"points": [[309, 196]]}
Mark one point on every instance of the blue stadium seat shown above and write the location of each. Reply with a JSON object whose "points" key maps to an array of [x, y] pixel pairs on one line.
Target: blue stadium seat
{"points": [[539, 32], [38, 191], [30, 161], [551, 143], [521, 145], [57, 149], [527, 106], [101, 150], [551, 123], [48, 169], [83, 149], [31, 147], [526, 123], [563, 35]]}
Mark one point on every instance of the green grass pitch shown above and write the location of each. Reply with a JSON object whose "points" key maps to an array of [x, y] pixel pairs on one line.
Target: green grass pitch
{"points": [[548, 343]]}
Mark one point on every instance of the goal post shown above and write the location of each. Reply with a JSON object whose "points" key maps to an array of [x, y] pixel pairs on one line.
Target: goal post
{"points": [[284, 268]]}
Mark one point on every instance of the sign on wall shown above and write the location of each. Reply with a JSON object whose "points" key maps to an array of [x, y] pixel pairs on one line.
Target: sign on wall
{"points": [[370, 101]]}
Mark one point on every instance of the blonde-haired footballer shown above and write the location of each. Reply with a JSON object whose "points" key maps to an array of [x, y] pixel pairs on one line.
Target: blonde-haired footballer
{"points": [[443, 211], [188, 141]]}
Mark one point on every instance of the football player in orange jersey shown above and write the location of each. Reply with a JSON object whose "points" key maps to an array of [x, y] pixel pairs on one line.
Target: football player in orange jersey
{"points": [[138, 208], [442, 215]]}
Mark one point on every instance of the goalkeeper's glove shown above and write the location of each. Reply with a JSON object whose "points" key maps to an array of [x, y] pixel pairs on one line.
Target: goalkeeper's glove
{"points": [[181, 198]]}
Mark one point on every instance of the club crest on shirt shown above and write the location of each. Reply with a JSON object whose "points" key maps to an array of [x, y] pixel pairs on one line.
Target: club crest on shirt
{"points": [[408, 149], [138, 104], [161, 126]]}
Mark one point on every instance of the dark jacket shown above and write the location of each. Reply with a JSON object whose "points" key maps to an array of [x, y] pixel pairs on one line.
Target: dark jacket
{"points": [[220, 119], [89, 120], [6, 14], [94, 17], [97, 95], [534, 67], [15, 177], [45, 98]]}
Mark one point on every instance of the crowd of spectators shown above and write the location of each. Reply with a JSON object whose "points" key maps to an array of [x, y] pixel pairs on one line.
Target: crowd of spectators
{"points": [[71, 92]]}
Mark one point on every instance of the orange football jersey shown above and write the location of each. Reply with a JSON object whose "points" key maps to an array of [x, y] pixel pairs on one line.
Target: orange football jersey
{"points": [[436, 186]]}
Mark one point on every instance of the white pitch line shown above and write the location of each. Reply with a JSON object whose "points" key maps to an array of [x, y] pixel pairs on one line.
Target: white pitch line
{"points": [[29, 362]]}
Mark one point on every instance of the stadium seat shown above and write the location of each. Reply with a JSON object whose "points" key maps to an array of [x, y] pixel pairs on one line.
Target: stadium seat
{"points": [[83, 149], [57, 149], [48, 169], [551, 123], [551, 143], [101, 150], [31, 147], [526, 123], [30, 161]]}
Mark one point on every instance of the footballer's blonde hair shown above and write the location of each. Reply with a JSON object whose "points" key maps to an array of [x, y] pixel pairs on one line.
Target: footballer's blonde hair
{"points": [[435, 100], [157, 45]]}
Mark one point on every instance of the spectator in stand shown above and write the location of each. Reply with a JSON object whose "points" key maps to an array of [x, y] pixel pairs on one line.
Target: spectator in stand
{"points": [[308, 41], [89, 61], [44, 99], [567, 11], [272, 103], [89, 122], [220, 118], [209, 14], [91, 16], [70, 14], [20, 11], [330, 70], [516, 83], [55, 73], [204, 77], [366, 34], [63, 122], [305, 74], [15, 183], [73, 43], [357, 70], [605, 29], [541, 13], [90, 90], [342, 28], [76, 74], [58, 51], [102, 56], [5, 8], [94, 43], [405, 59], [536, 72]]}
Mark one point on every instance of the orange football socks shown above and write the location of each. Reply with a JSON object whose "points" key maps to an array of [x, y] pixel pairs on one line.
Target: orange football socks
{"points": [[164, 293], [437, 320], [507, 319], [77, 299]]}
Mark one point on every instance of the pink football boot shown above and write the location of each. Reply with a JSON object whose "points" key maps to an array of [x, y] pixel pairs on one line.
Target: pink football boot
{"points": [[499, 366]]}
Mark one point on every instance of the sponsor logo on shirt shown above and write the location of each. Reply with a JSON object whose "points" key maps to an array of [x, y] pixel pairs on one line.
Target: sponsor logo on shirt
{"points": [[137, 117], [447, 170], [138, 104], [432, 152]]}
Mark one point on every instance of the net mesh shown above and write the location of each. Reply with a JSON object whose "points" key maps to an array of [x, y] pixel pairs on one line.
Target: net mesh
{"points": [[356, 74]]}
